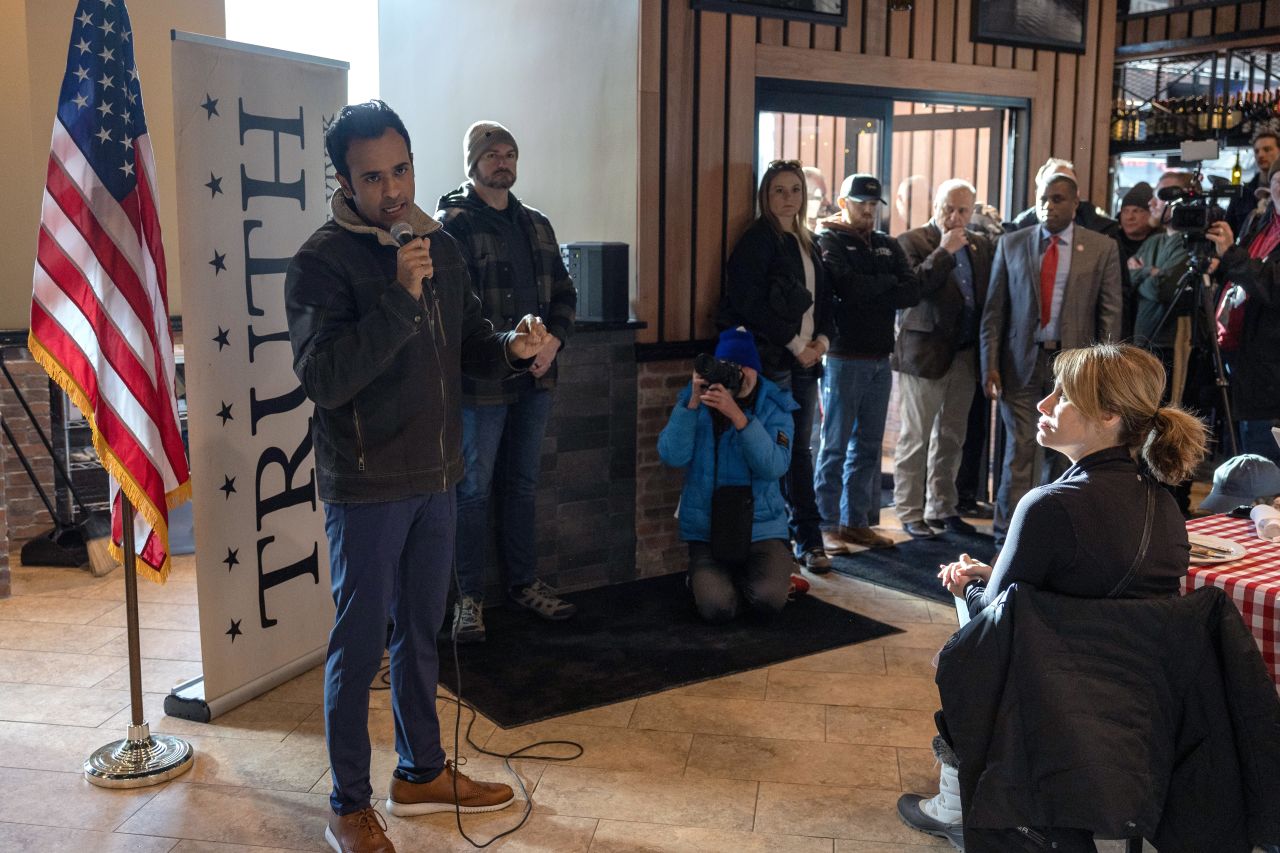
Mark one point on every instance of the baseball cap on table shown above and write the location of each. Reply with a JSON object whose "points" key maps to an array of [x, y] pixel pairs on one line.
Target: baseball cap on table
{"points": [[862, 187], [1241, 479]]}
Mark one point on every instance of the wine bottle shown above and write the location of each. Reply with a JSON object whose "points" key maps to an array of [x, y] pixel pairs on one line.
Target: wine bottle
{"points": [[1236, 171]]}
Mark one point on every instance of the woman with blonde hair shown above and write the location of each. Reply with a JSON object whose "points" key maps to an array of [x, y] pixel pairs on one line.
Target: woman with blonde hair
{"points": [[1103, 529], [1080, 534], [776, 288]]}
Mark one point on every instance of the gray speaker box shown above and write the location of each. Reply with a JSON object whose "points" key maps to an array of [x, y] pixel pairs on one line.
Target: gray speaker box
{"points": [[601, 273]]}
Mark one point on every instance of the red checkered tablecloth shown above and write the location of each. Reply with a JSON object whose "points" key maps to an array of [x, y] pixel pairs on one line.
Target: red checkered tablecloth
{"points": [[1252, 582]]}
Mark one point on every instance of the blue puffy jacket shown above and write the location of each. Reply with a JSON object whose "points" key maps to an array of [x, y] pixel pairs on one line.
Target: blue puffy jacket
{"points": [[759, 454]]}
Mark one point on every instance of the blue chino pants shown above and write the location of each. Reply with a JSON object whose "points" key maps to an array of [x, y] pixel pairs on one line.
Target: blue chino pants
{"points": [[390, 561]]}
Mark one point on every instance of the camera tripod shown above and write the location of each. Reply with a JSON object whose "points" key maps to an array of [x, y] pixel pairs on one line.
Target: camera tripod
{"points": [[1196, 281]]}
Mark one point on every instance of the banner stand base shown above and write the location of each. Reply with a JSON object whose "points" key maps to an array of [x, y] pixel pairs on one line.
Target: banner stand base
{"points": [[186, 702]]}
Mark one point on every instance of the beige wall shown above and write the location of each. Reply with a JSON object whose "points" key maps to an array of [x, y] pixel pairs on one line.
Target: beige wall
{"points": [[561, 74], [31, 69]]}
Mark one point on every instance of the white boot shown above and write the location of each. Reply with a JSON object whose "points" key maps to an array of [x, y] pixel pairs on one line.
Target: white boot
{"points": [[938, 815], [944, 807]]}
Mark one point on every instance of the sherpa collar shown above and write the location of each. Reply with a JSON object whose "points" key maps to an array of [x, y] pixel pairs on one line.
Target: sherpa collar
{"points": [[344, 213]]}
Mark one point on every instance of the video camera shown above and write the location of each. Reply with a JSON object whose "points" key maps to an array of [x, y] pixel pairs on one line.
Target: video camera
{"points": [[718, 371], [1191, 211]]}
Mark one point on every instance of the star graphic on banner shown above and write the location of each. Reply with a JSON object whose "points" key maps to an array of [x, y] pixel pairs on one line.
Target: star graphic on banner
{"points": [[219, 262], [214, 185], [86, 19], [232, 559], [221, 338], [126, 118], [133, 72], [107, 54], [126, 141], [234, 631], [228, 486], [107, 81], [225, 412], [81, 73], [133, 97], [125, 36], [104, 135], [127, 168], [107, 27], [105, 109], [210, 106], [83, 47], [108, 2], [80, 101]]}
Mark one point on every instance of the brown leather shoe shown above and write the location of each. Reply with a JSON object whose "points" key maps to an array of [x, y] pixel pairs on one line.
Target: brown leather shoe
{"points": [[866, 537], [835, 545], [409, 798], [358, 832]]}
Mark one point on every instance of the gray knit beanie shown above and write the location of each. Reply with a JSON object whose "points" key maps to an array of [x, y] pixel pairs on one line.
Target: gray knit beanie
{"points": [[479, 138]]}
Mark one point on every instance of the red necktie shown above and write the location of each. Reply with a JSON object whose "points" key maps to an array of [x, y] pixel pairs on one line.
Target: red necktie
{"points": [[1048, 273]]}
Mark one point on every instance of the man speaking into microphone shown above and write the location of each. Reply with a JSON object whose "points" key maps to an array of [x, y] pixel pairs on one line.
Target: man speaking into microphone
{"points": [[382, 328]]}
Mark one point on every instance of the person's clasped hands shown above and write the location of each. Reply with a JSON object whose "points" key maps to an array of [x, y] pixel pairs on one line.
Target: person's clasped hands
{"points": [[956, 576]]}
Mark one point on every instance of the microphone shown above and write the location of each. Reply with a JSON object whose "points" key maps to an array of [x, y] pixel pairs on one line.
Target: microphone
{"points": [[402, 232]]}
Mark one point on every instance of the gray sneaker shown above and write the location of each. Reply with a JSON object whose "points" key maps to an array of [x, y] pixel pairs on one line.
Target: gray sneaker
{"points": [[468, 621], [542, 599]]}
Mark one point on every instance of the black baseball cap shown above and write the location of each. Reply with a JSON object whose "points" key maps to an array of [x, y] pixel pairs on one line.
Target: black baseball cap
{"points": [[862, 188]]}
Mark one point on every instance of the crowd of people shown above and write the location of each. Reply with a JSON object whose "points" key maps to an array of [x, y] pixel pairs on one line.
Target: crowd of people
{"points": [[429, 347]]}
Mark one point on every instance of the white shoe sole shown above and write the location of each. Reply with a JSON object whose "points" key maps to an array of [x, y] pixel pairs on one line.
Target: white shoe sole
{"points": [[415, 809], [333, 842]]}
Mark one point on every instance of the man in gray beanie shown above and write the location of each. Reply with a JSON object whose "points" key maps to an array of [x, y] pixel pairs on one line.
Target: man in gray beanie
{"points": [[514, 260]]}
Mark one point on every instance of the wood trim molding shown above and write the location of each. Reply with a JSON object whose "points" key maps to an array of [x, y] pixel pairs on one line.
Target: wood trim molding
{"points": [[825, 66]]}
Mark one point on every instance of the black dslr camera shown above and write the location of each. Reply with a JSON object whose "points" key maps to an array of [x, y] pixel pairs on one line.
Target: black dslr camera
{"points": [[717, 371]]}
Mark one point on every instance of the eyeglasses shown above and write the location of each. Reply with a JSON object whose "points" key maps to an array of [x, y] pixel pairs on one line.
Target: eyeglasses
{"points": [[784, 164]]}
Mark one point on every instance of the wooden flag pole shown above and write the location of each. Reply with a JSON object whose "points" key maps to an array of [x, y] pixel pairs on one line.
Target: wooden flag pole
{"points": [[141, 759]]}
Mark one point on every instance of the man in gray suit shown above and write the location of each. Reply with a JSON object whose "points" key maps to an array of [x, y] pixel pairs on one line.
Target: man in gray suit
{"points": [[1056, 286], [936, 356]]}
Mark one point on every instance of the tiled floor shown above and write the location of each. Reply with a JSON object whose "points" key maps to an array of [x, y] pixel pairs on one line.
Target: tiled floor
{"points": [[808, 756]]}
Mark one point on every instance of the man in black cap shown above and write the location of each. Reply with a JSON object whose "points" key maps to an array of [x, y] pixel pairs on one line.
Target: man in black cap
{"points": [[1135, 227], [870, 279]]}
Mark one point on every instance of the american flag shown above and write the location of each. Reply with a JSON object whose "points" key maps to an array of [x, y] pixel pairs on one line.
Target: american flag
{"points": [[99, 310]]}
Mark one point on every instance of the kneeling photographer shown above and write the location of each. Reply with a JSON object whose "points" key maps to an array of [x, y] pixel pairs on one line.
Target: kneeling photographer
{"points": [[1249, 324], [731, 430]]}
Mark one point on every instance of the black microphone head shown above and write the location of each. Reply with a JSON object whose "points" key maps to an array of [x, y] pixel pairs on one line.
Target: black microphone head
{"points": [[1171, 193], [402, 232]]}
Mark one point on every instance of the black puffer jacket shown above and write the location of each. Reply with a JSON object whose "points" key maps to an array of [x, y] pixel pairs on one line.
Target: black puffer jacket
{"points": [[383, 369], [870, 280], [1151, 717], [765, 292]]}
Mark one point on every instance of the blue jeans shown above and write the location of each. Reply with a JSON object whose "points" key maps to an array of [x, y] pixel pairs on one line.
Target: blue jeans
{"points": [[515, 431], [389, 561], [797, 483], [855, 403]]}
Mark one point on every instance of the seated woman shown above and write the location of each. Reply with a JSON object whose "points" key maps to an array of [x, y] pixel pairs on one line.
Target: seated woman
{"points": [[1081, 535], [727, 441]]}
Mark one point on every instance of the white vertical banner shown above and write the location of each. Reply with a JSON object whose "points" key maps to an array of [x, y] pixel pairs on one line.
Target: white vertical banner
{"points": [[254, 183]]}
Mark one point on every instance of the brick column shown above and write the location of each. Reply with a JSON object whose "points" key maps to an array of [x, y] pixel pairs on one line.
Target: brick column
{"points": [[26, 516], [659, 550]]}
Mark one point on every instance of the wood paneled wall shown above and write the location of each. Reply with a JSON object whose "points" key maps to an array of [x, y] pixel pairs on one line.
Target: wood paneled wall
{"points": [[1241, 24], [698, 74]]}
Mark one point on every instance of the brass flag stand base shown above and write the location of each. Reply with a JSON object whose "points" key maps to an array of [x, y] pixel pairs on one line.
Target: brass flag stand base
{"points": [[141, 759]]}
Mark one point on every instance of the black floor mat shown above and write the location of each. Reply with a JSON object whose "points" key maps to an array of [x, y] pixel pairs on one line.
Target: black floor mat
{"points": [[912, 566], [630, 640]]}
